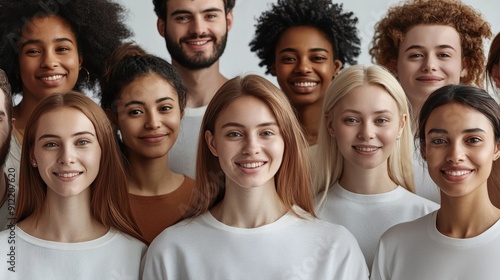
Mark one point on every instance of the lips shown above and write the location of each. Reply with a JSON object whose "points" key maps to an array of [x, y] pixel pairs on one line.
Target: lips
{"points": [[251, 165], [429, 79], [67, 174], [153, 138], [456, 172], [305, 84], [365, 148]]}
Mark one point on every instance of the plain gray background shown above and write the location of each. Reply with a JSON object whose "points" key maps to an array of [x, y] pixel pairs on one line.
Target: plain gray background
{"points": [[238, 59]]}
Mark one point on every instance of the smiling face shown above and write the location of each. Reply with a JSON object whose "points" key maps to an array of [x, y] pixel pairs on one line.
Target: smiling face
{"points": [[248, 143], [67, 152], [304, 64], [148, 116], [430, 56], [460, 149], [48, 57], [195, 31], [366, 124]]}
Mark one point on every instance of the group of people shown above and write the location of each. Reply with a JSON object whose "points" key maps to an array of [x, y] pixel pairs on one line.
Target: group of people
{"points": [[345, 171]]}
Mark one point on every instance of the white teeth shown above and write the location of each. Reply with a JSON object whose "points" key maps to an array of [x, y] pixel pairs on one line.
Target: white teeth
{"points": [[305, 84], [252, 165], [457, 173], [52, 78], [68, 175], [198, 43], [366, 149]]}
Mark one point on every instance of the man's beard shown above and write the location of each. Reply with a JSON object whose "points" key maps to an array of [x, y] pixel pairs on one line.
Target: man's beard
{"points": [[199, 60]]}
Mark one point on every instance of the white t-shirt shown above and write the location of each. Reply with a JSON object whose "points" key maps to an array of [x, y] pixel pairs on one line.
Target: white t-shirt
{"points": [[11, 169], [115, 255], [289, 248], [417, 250], [368, 216], [182, 156]]}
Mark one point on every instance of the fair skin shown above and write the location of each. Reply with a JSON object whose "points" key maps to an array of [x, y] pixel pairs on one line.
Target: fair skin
{"points": [[5, 130], [67, 154], [49, 63], [429, 57], [366, 124], [304, 67], [149, 118], [460, 150], [250, 152], [197, 28]]}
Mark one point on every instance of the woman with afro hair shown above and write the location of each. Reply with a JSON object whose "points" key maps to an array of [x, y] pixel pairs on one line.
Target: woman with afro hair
{"points": [[429, 44], [304, 43], [52, 47]]}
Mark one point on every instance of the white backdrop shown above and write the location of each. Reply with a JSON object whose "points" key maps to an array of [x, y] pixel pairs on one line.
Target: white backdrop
{"points": [[238, 59]]}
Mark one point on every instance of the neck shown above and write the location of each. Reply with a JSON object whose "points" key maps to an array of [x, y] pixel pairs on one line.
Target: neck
{"points": [[201, 84], [366, 181], [466, 216], [66, 220], [150, 177], [310, 118], [249, 207]]}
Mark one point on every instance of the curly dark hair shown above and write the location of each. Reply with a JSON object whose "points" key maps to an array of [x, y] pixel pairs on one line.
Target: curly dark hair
{"points": [[98, 26], [470, 25], [338, 26], [161, 7]]}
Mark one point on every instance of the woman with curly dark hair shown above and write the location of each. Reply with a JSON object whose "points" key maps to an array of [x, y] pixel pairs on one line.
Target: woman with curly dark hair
{"points": [[429, 44], [52, 47], [304, 44]]}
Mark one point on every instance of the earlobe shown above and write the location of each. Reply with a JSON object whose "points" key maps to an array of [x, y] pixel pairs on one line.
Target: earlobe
{"points": [[404, 119], [229, 20], [463, 73], [272, 69], [112, 117], [209, 138], [160, 25], [329, 125], [337, 65], [497, 152]]}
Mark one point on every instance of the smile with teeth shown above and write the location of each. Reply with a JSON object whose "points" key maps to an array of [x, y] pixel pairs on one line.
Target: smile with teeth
{"points": [[305, 84], [68, 175], [457, 172], [52, 78], [251, 165], [198, 43], [366, 149]]}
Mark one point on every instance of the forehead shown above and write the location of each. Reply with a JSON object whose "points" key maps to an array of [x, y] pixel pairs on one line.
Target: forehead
{"points": [[38, 26], [455, 116], [303, 36], [151, 86], [246, 110], [193, 5], [431, 36], [64, 121], [367, 98]]}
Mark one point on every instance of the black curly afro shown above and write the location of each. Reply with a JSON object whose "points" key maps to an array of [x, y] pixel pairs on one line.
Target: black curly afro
{"points": [[161, 7], [339, 27], [98, 26]]}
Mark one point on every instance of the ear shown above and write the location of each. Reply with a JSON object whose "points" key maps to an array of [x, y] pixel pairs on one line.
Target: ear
{"points": [[337, 65], [329, 125], [209, 138], [160, 25], [113, 118], [463, 73], [495, 74], [272, 69], [497, 151], [229, 20], [402, 123], [80, 61]]}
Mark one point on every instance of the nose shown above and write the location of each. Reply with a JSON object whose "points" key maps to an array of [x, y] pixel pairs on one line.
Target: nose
{"points": [[152, 121], [67, 155], [198, 26], [303, 66], [455, 153], [48, 60], [251, 146], [366, 132], [429, 64]]}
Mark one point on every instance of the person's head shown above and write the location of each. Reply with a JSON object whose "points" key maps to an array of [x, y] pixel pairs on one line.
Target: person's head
{"points": [[428, 44], [195, 31], [144, 98], [70, 132], [5, 117], [493, 63], [459, 133], [292, 179], [366, 126], [304, 44], [56, 47]]}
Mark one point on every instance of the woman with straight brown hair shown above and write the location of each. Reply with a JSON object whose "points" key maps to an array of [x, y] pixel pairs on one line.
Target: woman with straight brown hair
{"points": [[252, 214], [73, 217]]}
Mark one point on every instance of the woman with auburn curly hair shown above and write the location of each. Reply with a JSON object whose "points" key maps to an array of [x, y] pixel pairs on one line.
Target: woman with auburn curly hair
{"points": [[428, 44], [54, 47]]}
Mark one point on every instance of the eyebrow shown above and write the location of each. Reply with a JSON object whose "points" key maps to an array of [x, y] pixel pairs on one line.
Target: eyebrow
{"points": [[183, 12], [240, 125], [73, 135], [444, 131], [376, 112], [418, 47], [37, 41], [311, 50], [136, 102]]}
